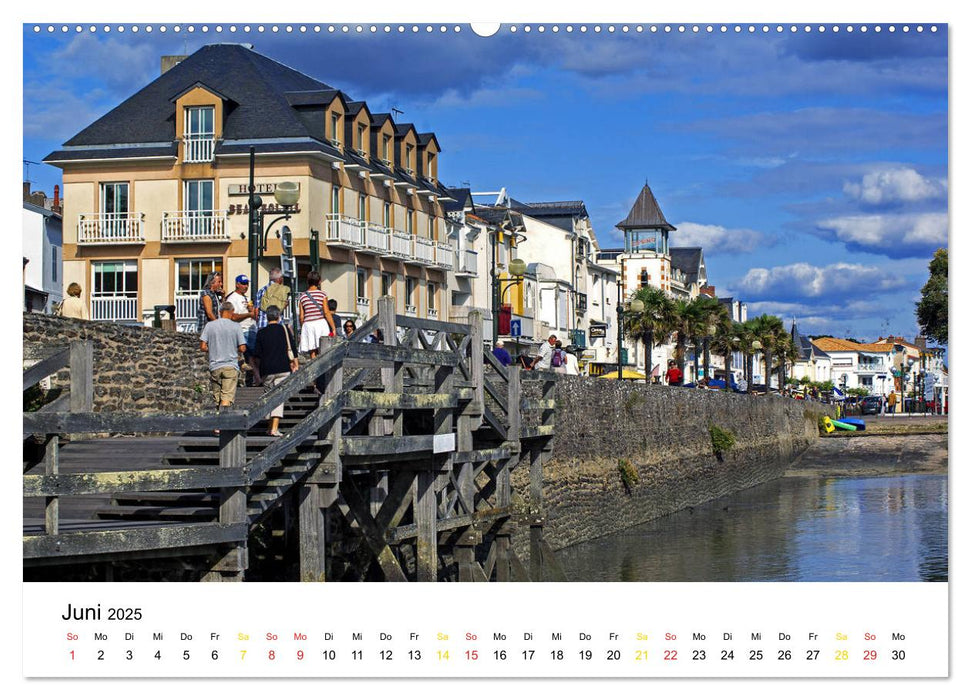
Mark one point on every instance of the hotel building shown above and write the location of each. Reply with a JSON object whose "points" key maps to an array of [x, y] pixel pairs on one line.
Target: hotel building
{"points": [[156, 192]]}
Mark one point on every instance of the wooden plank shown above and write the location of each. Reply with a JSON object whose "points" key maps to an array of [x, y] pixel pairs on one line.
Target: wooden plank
{"points": [[399, 353], [487, 455], [494, 421], [46, 367], [51, 468], [392, 377], [476, 358], [361, 333], [133, 480], [539, 404], [364, 400], [82, 375], [500, 397], [429, 325], [538, 431], [482, 519], [369, 446], [535, 457], [108, 541], [232, 504], [358, 514], [112, 422]]}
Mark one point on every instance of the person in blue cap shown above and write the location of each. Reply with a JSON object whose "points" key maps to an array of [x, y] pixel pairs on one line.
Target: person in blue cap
{"points": [[245, 313]]}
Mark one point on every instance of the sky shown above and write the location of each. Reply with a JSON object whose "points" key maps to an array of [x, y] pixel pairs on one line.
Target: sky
{"points": [[812, 167]]}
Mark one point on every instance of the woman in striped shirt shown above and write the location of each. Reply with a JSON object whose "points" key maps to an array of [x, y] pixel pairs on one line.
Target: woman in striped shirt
{"points": [[316, 321]]}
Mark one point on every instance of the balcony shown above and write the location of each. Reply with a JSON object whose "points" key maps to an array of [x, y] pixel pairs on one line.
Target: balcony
{"points": [[377, 239], [363, 307], [202, 226], [401, 247], [411, 310], [198, 149], [424, 251], [344, 232], [444, 256], [466, 263], [114, 308], [111, 229], [433, 313]]}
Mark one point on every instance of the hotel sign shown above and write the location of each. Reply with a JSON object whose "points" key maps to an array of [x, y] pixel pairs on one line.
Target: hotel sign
{"points": [[265, 190]]}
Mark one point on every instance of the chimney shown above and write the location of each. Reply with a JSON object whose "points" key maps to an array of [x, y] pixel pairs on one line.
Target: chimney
{"points": [[708, 290], [26, 190], [57, 198], [170, 62]]}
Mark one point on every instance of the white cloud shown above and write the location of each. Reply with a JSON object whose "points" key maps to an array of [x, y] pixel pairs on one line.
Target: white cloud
{"points": [[895, 186], [718, 239], [806, 281], [896, 235]]}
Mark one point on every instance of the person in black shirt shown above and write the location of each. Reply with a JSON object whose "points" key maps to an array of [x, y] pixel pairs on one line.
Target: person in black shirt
{"points": [[338, 325], [276, 357]]}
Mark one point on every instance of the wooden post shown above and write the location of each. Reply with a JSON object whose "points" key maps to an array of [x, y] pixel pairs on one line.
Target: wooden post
{"points": [[320, 489], [232, 507], [476, 363], [426, 518], [514, 404], [535, 456], [51, 467], [82, 375], [393, 378]]}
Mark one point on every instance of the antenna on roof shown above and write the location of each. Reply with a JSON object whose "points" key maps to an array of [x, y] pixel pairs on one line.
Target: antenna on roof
{"points": [[27, 164], [395, 112]]}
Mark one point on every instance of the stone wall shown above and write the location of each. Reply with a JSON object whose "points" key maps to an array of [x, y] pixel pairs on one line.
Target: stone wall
{"points": [[664, 433], [135, 368]]}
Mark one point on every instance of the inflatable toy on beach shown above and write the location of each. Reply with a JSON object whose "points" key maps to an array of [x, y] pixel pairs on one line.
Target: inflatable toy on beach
{"points": [[828, 424], [844, 426]]}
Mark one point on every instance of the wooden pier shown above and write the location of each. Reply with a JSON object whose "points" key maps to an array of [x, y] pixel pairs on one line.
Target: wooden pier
{"points": [[396, 464]]}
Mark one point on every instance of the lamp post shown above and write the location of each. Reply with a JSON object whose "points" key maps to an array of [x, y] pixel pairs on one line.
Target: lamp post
{"points": [[756, 346], [517, 270], [711, 330], [286, 194], [637, 306]]}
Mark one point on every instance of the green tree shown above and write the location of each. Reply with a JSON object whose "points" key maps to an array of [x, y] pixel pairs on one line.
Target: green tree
{"points": [[932, 307], [727, 341], [652, 325], [769, 331]]}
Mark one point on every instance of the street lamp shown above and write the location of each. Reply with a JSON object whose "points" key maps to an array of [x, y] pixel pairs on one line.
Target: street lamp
{"points": [[756, 346], [286, 194], [517, 270], [636, 306], [711, 330]]}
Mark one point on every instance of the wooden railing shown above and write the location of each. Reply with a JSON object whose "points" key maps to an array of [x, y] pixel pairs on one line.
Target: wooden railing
{"points": [[426, 367]]}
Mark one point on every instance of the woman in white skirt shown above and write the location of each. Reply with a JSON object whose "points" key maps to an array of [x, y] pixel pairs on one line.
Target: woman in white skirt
{"points": [[316, 321]]}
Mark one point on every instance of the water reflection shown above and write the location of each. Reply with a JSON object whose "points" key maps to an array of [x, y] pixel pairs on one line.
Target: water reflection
{"points": [[791, 529]]}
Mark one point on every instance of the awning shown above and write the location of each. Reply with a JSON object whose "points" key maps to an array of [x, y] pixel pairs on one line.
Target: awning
{"points": [[628, 374]]}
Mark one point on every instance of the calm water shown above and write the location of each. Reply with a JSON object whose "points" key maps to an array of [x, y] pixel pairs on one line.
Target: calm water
{"points": [[791, 529]]}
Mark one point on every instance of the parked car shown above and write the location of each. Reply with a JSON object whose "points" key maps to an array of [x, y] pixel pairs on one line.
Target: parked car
{"points": [[871, 405]]}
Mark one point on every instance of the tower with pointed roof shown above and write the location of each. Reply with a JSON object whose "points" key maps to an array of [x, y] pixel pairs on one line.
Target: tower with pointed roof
{"points": [[646, 256]]}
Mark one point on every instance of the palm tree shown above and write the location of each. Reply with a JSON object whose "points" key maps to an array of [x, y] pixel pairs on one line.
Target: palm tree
{"points": [[748, 344], [726, 341], [651, 325], [787, 354], [711, 313], [768, 329], [687, 321]]}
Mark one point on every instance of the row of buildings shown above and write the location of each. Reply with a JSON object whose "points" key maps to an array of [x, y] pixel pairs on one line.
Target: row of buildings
{"points": [[890, 364], [156, 197]]}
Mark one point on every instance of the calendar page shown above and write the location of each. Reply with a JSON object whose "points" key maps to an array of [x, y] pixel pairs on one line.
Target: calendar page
{"points": [[620, 345]]}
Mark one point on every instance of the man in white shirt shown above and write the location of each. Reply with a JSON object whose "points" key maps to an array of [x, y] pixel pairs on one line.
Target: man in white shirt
{"points": [[244, 313], [542, 361]]}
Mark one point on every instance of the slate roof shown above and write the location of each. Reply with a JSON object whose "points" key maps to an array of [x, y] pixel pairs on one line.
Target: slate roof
{"points": [[559, 214], [268, 105], [255, 87], [646, 213], [688, 260]]}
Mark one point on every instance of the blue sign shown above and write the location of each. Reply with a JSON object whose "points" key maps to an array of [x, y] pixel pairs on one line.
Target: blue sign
{"points": [[516, 328]]}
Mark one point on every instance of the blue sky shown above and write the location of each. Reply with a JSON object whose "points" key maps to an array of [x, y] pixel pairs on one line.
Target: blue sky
{"points": [[812, 167]]}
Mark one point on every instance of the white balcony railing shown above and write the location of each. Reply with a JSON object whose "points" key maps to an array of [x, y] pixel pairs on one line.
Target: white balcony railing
{"points": [[424, 251], [198, 149], [363, 307], [344, 231], [114, 308], [433, 313], [401, 245], [110, 229], [444, 256], [467, 263], [411, 310], [201, 226], [378, 238]]}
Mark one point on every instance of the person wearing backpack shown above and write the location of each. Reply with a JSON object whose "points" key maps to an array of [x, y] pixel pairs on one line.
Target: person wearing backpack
{"points": [[558, 359], [316, 321], [545, 357]]}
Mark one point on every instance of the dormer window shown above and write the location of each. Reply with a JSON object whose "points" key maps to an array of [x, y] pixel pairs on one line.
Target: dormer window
{"points": [[432, 169], [361, 136], [335, 128], [199, 134], [409, 160], [386, 149]]}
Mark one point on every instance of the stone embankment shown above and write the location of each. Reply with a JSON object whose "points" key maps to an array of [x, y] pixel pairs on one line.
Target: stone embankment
{"points": [[660, 437], [135, 368]]}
